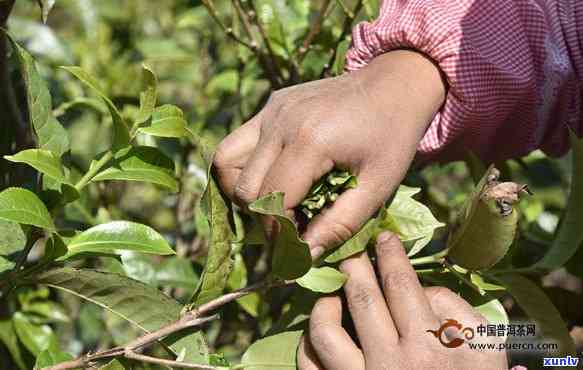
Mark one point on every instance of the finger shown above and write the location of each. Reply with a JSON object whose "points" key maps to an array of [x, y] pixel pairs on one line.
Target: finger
{"points": [[251, 178], [448, 305], [410, 308], [294, 172], [334, 347], [346, 216], [367, 306], [307, 359], [233, 153]]}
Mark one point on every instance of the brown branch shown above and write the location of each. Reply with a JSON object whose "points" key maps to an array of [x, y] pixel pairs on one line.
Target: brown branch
{"points": [[160, 361], [228, 30], [314, 30], [192, 318], [350, 16], [274, 74]]}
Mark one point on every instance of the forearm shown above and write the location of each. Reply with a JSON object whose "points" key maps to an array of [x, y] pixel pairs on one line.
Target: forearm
{"points": [[512, 71]]}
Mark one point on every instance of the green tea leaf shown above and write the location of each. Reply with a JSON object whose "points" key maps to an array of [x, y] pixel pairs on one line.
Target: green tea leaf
{"points": [[49, 132], [322, 279], [141, 163], [24, 207], [411, 220], [46, 6], [42, 160], [10, 339], [176, 272], [50, 312], [35, 338], [218, 264], [12, 242], [143, 306], [121, 133], [167, 121], [118, 235], [539, 308], [291, 256], [356, 244], [569, 236], [493, 311], [51, 356], [147, 97], [274, 352]]}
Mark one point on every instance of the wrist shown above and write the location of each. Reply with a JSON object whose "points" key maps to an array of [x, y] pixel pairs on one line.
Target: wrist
{"points": [[409, 75]]}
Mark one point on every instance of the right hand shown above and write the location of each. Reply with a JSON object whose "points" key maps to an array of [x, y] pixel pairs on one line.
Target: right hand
{"points": [[369, 122]]}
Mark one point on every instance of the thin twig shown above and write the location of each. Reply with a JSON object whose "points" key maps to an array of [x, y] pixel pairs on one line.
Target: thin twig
{"points": [[350, 16], [228, 30], [160, 361], [314, 30], [268, 65], [252, 15], [192, 318]]}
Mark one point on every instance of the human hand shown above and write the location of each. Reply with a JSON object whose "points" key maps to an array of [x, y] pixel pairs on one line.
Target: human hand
{"points": [[369, 122], [391, 323]]}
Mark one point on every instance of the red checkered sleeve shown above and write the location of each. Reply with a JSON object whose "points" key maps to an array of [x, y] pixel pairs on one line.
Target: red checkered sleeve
{"points": [[514, 70]]}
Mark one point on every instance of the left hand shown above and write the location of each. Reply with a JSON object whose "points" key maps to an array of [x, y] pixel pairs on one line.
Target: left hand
{"points": [[391, 323]]}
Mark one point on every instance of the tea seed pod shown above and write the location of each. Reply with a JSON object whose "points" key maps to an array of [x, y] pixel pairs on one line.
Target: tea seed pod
{"points": [[487, 226]]}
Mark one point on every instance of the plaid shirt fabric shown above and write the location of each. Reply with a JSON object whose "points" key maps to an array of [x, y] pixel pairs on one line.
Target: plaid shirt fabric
{"points": [[514, 70]]}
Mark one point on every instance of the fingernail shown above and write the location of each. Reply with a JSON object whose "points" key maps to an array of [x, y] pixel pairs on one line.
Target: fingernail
{"points": [[384, 237], [317, 252]]}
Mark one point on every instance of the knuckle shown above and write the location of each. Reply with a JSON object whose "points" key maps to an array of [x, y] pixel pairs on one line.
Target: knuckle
{"points": [[337, 232], [439, 294], [360, 297], [320, 334], [244, 193], [401, 279], [221, 158]]}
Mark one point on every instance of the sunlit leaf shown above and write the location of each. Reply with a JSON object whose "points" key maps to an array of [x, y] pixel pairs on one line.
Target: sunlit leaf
{"points": [[411, 220], [273, 352], [354, 245], [52, 355], [42, 160], [118, 235], [291, 255], [35, 338], [322, 279], [12, 242], [46, 6], [142, 163], [121, 133], [49, 132], [24, 207], [148, 96], [10, 339], [167, 121]]}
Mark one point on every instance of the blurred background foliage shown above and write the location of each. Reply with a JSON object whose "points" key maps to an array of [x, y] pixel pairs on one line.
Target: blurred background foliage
{"points": [[219, 83]]}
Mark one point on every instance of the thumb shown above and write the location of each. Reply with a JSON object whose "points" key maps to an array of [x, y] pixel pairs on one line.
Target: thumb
{"points": [[349, 212]]}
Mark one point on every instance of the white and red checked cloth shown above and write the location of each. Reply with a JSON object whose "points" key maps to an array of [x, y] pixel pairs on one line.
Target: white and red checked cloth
{"points": [[514, 69]]}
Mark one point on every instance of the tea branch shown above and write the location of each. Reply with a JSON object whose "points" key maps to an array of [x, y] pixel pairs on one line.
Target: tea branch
{"points": [[346, 27], [314, 30], [195, 317]]}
